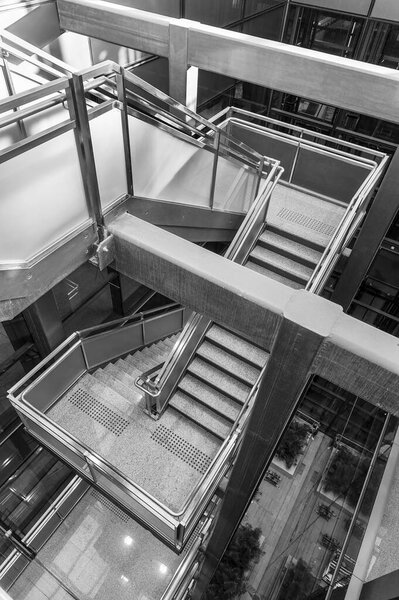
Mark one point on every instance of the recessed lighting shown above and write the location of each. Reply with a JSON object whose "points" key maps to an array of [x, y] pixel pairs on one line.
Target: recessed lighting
{"points": [[128, 540], [124, 579], [163, 569]]}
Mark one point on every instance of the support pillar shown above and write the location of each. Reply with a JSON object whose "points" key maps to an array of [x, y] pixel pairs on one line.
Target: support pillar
{"points": [[287, 373], [375, 227], [44, 323], [183, 80]]}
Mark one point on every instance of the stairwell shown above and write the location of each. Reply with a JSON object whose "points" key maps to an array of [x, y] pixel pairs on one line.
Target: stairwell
{"points": [[218, 380], [285, 257]]}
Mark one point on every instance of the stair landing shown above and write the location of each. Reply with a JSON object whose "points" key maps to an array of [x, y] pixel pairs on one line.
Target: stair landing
{"points": [[302, 214], [167, 458]]}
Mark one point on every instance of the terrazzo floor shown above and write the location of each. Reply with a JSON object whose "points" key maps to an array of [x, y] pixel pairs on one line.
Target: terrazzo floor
{"points": [[98, 553], [304, 215], [166, 458]]}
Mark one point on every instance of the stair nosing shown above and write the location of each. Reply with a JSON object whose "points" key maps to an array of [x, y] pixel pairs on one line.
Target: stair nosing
{"points": [[280, 270], [221, 368], [245, 359], [268, 245], [210, 384], [187, 416], [183, 391], [294, 237]]}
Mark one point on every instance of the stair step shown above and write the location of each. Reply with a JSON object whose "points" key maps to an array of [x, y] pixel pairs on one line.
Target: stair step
{"points": [[120, 374], [131, 393], [281, 264], [143, 365], [280, 230], [213, 399], [223, 382], [228, 362], [238, 345], [276, 276], [290, 248], [201, 415]]}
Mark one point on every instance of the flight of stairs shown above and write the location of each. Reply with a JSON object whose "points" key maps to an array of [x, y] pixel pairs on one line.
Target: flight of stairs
{"points": [[218, 380], [211, 392], [120, 376], [285, 257]]}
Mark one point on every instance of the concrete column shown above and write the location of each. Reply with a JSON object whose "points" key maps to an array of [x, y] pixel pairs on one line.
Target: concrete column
{"points": [[44, 323], [380, 216], [287, 373], [183, 80]]}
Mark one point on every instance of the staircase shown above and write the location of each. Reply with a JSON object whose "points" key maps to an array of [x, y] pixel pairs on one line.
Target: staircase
{"points": [[119, 376], [285, 257], [218, 380]]}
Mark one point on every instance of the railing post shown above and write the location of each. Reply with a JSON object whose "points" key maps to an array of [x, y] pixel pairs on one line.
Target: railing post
{"points": [[214, 168], [121, 90], [78, 111], [294, 162]]}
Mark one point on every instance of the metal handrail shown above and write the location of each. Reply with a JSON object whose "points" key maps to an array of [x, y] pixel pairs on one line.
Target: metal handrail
{"points": [[301, 141], [134, 317], [345, 229], [153, 388], [230, 110]]}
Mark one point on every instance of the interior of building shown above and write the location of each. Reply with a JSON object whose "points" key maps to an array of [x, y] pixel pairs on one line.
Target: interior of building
{"points": [[199, 285]]}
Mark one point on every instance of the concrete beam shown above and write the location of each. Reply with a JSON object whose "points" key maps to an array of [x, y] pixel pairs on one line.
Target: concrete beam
{"points": [[322, 77], [352, 354]]}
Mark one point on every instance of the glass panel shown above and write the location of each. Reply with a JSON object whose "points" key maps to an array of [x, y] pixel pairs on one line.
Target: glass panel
{"points": [[109, 155], [335, 35], [168, 168], [236, 182], [43, 198], [267, 25], [31, 490], [255, 6], [14, 452], [304, 506], [219, 13]]}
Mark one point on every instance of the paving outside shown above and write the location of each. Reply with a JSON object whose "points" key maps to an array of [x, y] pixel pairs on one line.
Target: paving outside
{"points": [[98, 553], [290, 524]]}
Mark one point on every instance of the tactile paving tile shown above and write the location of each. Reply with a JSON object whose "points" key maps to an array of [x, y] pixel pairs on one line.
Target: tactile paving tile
{"points": [[98, 412], [306, 221], [181, 448], [108, 504]]}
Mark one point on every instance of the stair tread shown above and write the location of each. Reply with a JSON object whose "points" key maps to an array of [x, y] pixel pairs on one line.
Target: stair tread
{"points": [[220, 380], [231, 363], [276, 276], [207, 395], [290, 246], [131, 393], [237, 344], [286, 265], [201, 415], [296, 237], [116, 371]]}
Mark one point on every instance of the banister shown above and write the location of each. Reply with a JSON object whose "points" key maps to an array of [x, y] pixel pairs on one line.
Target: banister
{"points": [[344, 230]]}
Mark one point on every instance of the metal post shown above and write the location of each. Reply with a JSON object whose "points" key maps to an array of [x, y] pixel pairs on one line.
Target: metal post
{"points": [[11, 90], [120, 83], [375, 226], [214, 168], [78, 112], [357, 509]]}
